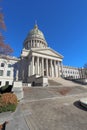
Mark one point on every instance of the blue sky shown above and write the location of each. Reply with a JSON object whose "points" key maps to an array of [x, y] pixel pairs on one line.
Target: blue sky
{"points": [[63, 22]]}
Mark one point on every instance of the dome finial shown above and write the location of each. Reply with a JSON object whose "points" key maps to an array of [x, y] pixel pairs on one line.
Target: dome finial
{"points": [[35, 26]]}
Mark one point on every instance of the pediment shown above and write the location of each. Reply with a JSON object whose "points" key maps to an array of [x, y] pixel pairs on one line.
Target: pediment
{"points": [[48, 51]]}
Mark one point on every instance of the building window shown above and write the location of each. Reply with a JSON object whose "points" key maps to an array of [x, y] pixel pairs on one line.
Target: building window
{"points": [[8, 73], [0, 83], [7, 83], [1, 72], [9, 65], [2, 64]]}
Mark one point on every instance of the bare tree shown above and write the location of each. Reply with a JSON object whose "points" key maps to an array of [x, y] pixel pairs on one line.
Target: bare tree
{"points": [[85, 70], [85, 65], [4, 48]]}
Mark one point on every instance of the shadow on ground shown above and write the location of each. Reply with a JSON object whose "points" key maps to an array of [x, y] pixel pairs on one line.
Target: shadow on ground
{"points": [[78, 105]]}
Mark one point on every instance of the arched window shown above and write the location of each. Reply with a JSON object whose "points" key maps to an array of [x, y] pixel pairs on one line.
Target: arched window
{"points": [[2, 64]]}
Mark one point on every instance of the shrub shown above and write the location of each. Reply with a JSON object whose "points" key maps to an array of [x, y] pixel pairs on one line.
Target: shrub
{"points": [[8, 102], [6, 89]]}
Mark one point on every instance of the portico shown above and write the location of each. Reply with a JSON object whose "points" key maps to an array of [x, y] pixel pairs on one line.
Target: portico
{"points": [[43, 66]]}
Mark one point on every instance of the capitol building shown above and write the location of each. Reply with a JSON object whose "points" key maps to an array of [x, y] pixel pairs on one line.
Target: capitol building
{"points": [[36, 64]]}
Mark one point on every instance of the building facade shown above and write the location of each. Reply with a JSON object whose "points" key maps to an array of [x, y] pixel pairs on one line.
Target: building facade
{"points": [[71, 72], [36, 59], [8, 67]]}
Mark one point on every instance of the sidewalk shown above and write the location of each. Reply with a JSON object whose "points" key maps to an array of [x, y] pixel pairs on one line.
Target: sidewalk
{"points": [[16, 119]]}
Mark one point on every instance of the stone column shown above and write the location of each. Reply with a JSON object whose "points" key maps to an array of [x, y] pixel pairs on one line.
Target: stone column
{"points": [[35, 66], [58, 70], [42, 69], [38, 65], [51, 69], [54, 68], [46, 67], [29, 70], [32, 65], [31, 43], [34, 43], [61, 69], [28, 45]]}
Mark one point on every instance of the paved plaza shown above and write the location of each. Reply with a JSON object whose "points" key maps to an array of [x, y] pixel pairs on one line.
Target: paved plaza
{"points": [[50, 108]]}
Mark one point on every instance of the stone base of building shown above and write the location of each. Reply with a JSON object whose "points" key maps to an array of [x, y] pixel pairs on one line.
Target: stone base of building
{"points": [[37, 80], [18, 89]]}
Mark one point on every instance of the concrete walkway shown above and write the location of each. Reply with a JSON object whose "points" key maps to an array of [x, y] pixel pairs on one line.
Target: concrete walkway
{"points": [[16, 119], [47, 109]]}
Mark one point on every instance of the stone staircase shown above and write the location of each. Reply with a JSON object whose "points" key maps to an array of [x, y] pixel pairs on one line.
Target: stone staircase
{"points": [[52, 82], [61, 82]]}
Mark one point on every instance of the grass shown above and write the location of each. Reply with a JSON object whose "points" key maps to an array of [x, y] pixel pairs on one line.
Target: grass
{"points": [[8, 107]]}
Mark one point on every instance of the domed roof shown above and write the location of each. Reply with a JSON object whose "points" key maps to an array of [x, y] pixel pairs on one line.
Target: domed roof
{"points": [[35, 32]]}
